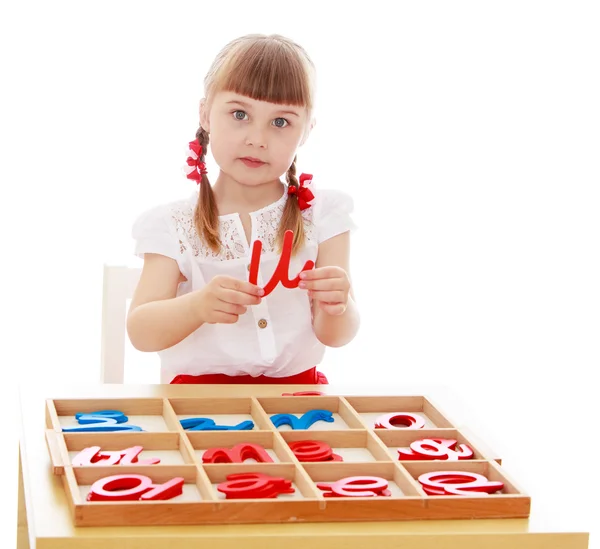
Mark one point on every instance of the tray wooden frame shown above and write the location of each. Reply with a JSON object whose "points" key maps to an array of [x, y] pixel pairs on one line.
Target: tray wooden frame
{"points": [[312, 506]]}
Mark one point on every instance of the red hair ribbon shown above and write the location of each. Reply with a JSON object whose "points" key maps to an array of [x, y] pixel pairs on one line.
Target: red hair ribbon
{"points": [[303, 193], [195, 168]]}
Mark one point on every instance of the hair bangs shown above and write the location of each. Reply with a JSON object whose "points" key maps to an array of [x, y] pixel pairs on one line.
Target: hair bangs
{"points": [[267, 70]]}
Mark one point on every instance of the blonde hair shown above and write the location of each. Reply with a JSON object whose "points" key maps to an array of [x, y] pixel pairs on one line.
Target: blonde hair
{"points": [[266, 68]]}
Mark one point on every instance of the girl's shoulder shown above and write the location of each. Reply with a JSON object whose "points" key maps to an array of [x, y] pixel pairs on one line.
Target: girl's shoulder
{"points": [[155, 228], [165, 214], [328, 201], [332, 212]]}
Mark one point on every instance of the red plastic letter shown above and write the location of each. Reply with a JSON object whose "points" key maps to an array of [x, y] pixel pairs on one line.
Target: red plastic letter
{"points": [[313, 450], [238, 454], [458, 483], [281, 272], [254, 485], [359, 486], [399, 421], [93, 456], [435, 448], [132, 488], [130, 456]]}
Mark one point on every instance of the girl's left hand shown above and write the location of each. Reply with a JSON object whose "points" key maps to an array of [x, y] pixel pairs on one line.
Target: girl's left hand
{"points": [[328, 286]]}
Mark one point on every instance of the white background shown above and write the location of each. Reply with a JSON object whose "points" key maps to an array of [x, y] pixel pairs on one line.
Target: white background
{"points": [[467, 132]]}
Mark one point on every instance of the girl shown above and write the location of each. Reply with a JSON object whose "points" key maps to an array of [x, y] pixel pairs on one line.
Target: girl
{"points": [[194, 303]]}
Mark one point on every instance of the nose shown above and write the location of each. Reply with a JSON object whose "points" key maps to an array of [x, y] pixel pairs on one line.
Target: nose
{"points": [[256, 137]]}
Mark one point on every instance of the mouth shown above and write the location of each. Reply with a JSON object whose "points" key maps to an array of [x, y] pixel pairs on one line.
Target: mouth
{"points": [[252, 162]]}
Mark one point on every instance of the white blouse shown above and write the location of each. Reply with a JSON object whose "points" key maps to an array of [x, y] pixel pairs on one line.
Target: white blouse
{"points": [[274, 338]]}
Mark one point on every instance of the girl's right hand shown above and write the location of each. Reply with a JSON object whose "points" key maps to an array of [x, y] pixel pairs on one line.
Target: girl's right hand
{"points": [[225, 298]]}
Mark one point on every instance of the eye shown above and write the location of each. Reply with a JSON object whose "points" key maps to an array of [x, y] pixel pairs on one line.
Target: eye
{"points": [[235, 115], [281, 120]]}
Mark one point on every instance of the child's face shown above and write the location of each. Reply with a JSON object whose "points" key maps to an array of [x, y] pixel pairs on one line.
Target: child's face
{"points": [[242, 127]]}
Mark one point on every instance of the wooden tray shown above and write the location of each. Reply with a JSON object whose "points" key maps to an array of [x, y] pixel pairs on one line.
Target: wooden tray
{"points": [[365, 450]]}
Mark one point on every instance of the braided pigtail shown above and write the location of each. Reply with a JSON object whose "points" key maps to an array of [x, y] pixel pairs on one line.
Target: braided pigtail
{"points": [[291, 218], [206, 214]]}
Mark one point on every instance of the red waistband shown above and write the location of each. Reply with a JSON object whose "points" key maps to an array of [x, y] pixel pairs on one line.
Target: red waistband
{"points": [[308, 377]]}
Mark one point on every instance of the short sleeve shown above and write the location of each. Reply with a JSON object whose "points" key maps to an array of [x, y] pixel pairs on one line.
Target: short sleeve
{"points": [[332, 215], [153, 234]]}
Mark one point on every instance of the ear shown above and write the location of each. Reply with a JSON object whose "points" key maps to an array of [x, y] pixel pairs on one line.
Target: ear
{"points": [[204, 112], [313, 123]]}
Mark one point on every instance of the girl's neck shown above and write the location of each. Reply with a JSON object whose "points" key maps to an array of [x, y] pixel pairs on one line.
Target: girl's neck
{"points": [[234, 197]]}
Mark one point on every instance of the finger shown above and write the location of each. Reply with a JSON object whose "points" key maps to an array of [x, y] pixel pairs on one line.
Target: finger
{"points": [[323, 284], [321, 272], [241, 286], [230, 308], [328, 297], [333, 309], [238, 298]]}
